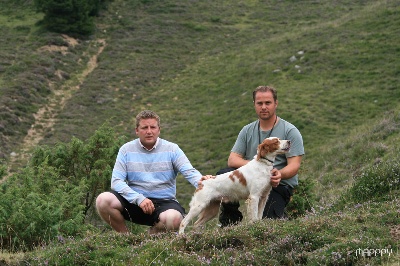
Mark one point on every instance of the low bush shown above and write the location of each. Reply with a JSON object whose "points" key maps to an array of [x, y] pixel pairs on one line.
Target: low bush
{"points": [[37, 205], [303, 200], [376, 182], [54, 195]]}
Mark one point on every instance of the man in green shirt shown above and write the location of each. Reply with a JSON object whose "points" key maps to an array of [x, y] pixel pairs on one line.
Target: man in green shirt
{"points": [[286, 166]]}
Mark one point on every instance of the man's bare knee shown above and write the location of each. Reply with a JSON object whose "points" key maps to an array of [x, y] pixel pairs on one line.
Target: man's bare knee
{"points": [[171, 219], [109, 209]]}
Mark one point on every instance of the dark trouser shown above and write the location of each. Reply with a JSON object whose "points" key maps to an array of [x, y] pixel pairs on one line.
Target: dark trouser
{"points": [[274, 208]]}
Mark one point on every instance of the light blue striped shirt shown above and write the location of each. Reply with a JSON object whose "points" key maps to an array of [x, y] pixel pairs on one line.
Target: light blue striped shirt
{"points": [[140, 173]]}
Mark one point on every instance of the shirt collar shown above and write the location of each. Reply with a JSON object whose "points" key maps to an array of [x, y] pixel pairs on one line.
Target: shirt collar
{"points": [[154, 147]]}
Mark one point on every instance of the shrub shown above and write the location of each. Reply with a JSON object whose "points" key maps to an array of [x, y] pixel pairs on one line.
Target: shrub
{"points": [[37, 205], [77, 162], [55, 194], [72, 16], [376, 181], [303, 199]]}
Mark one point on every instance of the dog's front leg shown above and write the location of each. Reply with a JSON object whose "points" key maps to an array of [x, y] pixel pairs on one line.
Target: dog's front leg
{"points": [[252, 208], [261, 206], [263, 202]]}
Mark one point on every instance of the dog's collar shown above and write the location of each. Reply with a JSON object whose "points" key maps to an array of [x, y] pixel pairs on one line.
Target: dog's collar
{"points": [[269, 160]]}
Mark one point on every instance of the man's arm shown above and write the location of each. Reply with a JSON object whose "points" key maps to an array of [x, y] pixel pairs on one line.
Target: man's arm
{"points": [[236, 160], [290, 170], [119, 178], [292, 167]]}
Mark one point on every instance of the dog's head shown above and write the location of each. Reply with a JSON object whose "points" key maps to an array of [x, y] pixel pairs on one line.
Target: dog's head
{"points": [[270, 147]]}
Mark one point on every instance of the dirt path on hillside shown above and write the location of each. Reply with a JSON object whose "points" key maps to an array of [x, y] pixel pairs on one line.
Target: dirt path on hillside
{"points": [[46, 116]]}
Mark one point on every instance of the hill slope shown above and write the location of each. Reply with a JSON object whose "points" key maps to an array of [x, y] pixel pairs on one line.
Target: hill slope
{"points": [[195, 63]]}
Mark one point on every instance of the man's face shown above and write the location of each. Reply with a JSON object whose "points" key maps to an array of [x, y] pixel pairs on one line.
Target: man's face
{"points": [[148, 132], [265, 105]]}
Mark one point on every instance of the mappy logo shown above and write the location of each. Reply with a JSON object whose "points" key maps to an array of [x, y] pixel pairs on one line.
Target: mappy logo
{"points": [[371, 252]]}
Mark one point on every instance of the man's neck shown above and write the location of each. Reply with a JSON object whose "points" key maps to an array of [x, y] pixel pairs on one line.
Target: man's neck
{"points": [[148, 147], [269, 123]]}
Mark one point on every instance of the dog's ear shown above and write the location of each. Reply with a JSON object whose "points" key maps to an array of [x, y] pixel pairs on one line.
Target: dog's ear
{"points": [[267, 146]]}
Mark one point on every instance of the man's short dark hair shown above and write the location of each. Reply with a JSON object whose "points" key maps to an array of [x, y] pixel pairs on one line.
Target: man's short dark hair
{"points": [[265, 89]]}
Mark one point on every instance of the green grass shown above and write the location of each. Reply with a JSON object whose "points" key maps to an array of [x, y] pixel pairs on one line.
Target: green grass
{"points": [[316, 239], [196, 64]]}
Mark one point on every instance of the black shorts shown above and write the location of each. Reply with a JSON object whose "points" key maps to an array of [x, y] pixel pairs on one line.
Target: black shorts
{"points": [[135, 214]]}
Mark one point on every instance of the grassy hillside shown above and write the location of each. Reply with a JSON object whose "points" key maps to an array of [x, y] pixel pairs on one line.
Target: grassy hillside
{"points": [[201, 61], [335, 65]]}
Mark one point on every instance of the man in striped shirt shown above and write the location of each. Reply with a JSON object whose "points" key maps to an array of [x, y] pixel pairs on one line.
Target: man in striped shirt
{"points": [[143, 184]]}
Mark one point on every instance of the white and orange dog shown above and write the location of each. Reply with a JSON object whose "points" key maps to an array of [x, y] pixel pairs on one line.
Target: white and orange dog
{"points": [[251, 182]]}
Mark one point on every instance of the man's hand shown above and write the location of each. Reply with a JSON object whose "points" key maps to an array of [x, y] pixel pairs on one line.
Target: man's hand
{"points": [[147, 206], [276, 177], [205, 178]]}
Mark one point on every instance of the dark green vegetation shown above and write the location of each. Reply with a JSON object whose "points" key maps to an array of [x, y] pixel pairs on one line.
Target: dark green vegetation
{"points": [[71, 16], [196, 63]]}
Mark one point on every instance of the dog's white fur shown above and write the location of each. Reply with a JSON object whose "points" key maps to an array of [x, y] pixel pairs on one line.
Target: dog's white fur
{"points": [[251, 182]]}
